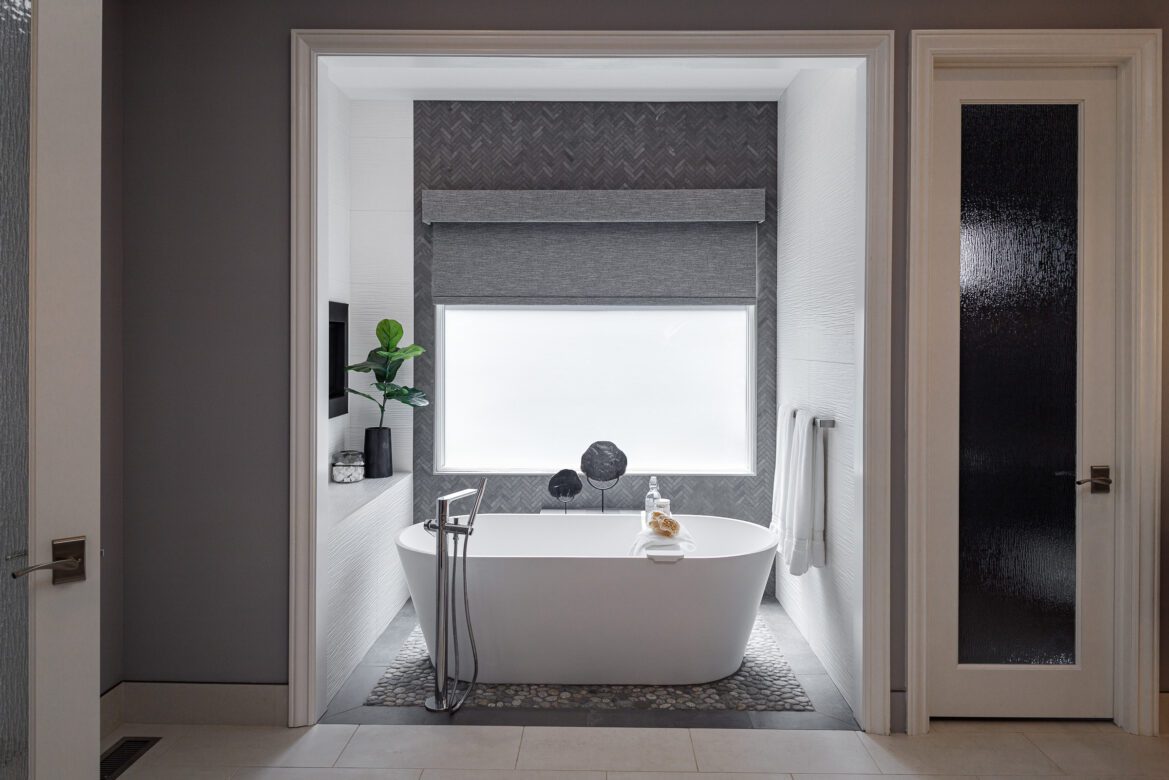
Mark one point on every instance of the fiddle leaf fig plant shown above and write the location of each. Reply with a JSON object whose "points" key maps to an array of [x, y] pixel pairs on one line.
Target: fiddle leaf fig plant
{"points": [[383, 362]]}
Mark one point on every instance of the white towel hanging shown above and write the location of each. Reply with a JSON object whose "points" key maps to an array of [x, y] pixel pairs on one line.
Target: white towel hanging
{"points": [[785, 427], [803, 514]]}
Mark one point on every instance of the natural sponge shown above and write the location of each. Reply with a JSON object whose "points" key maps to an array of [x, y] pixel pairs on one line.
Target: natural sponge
{"points": [[664, 525]]}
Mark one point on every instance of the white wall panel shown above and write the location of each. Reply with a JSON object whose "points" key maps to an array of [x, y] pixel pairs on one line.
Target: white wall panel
{"points": [[382, 253], [820, 278]]}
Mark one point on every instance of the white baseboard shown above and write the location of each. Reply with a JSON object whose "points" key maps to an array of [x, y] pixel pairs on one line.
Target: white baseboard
{"points": [[202, 703], [113, 704]]}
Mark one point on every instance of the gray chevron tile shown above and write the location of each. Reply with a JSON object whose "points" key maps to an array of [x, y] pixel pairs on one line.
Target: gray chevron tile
{"points": [[583, 145]]}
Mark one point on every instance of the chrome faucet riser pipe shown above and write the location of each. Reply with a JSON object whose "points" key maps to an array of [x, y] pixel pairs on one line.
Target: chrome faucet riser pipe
{"points": [[442, 700]]}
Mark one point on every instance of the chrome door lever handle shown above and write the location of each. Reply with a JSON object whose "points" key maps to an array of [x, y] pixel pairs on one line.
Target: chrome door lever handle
{"points": [[1100, 479], [66, 564]]}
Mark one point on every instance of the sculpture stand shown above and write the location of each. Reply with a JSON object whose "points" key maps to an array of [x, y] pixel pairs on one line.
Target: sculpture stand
{"points": [[612, 483]]}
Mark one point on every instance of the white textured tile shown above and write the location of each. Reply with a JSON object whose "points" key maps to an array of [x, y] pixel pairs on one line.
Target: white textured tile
{"points": [[998, 754], [382, 277], [820, 247], [509, 774], [365, 583], [1106, 754], [382, 118], [744, 750], [381, 174], [213, 746], [630, 749], [433, 747], [269, 773]]}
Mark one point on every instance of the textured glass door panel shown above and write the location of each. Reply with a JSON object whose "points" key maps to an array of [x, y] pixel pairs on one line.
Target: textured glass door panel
{"points": [[15, 25], [1017, 419]]}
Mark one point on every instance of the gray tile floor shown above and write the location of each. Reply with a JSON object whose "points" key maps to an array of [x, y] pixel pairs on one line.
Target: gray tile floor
{"points": [[832, 712]]}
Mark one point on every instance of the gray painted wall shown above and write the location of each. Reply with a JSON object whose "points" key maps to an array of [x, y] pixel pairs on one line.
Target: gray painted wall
{"points": [[206, 285], [584, 145]]}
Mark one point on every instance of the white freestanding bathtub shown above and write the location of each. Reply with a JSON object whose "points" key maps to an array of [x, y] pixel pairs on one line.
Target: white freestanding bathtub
{"points": [[558, 599]]}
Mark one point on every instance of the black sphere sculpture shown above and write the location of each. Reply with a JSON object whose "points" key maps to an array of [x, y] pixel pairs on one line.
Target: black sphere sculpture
{"points": [[564, 486], [603, 462]]}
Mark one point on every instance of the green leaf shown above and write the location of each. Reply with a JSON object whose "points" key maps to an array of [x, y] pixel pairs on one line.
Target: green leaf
{"points": [[405, 353], [414, 397], [389, 333], [366, 395], [389, 371]]}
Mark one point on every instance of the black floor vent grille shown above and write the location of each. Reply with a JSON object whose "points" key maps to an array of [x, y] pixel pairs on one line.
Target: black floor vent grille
{"points": [[118, 759]]}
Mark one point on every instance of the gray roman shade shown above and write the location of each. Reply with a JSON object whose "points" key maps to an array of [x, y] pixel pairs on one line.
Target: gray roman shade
{"points": [[593, 246]]}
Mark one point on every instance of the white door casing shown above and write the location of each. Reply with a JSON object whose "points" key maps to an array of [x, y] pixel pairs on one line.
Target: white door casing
{"points": [[65, 379], [876, 47], [1135, 57], [1084, 688]]}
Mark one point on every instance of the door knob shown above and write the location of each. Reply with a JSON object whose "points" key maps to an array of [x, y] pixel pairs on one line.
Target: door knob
{"points": [[68, 564], [1100, 479]]}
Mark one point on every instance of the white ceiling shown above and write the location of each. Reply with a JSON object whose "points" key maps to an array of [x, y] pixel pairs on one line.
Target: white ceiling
{"points": [[569, 78]]}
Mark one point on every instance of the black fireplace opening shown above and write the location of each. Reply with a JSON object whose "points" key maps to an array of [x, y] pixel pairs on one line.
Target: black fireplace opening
{"points": [[338, 359]]}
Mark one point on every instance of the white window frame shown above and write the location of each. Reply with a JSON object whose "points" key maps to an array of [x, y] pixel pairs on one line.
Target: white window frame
{"points": [[751, 311]]}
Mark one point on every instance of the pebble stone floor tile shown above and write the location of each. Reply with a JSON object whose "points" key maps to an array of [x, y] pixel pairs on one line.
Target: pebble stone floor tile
{"points": [[765, 682]]}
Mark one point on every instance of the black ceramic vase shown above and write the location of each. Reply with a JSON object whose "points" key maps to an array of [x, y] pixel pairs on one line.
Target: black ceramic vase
{"points": [[379, 462]]}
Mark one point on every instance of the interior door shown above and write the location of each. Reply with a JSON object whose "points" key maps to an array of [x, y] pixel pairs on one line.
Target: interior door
{"points": [[1021, 393], [50, 324]]}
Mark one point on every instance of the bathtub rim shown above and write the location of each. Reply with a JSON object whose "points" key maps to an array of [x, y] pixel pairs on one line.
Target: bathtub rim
{"points": [[773, 542]]}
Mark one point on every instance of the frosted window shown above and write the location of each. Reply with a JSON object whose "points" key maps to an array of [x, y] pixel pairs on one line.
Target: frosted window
{"points": [[525, 389]]}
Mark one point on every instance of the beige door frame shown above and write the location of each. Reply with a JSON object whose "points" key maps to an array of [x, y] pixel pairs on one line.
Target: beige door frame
{"points": [[876, 47], [64, 355], [1136, 54]]}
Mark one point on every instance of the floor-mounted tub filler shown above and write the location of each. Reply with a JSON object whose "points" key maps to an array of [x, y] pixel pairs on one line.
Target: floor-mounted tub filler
{"points": [[559, 599]]}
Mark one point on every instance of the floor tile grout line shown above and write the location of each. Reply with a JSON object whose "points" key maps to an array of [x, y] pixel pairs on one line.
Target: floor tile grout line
{"points": [[1044, 753], [519, 750], [346, 746], [693, 751], [860, 737]]}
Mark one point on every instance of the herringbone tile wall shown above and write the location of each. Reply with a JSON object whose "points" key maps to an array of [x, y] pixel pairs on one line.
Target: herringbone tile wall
{"points": [[581, 145]]}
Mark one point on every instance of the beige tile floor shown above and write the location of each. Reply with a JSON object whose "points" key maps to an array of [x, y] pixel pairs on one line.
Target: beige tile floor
{"points": [[372, 752]]}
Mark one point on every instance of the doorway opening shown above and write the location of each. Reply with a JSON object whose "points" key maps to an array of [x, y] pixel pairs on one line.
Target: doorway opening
{"points": [[386, 128]]}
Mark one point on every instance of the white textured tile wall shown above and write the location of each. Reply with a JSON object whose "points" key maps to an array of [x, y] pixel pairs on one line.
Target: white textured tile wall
{"points": [[365, 583], [366, 252], [332, 236], [821, 284], [381, 252]]}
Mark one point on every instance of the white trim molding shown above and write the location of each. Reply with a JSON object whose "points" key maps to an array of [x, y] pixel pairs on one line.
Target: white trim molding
{"points": [[875, 47], [1136, 54]]}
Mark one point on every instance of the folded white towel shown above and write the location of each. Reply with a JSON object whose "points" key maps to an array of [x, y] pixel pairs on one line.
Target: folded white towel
{"points": [[803, 538], [785, 428], [648, 539]]}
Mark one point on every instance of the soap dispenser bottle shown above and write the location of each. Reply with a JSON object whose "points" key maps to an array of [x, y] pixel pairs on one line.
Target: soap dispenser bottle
{"points": [[652, 497]]}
